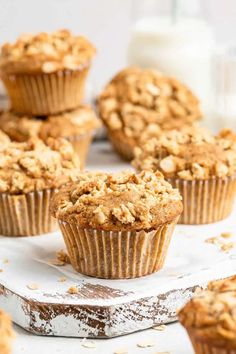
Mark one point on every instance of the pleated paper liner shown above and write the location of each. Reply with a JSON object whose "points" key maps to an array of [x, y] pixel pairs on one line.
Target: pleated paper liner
{"points": [[116, 254], [26, 214], [206, 201], [46, 93], [81, 145], [121, 145], [201, 347]]}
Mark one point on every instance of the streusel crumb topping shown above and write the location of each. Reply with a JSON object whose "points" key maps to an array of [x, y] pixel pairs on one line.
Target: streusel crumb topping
{"points": [[4, 138], [118, 201], [192, 153], [212, 313], [46, 53], [137, 100], [34, 165], [77, 122]]}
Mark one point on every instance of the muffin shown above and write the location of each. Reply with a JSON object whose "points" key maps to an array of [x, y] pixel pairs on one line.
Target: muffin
{"points": [[77, 126], [119, 225], [209, 318], [4, 138], [200, 165], [45, 73], [30, 174], [139, 102], [6, 333]]}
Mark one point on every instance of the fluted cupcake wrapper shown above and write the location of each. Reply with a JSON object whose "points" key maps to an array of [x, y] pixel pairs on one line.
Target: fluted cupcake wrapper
{"points": [[81, 145], [206, 201], [46, 93], [116, 254], [26, 214], [201, 347]]}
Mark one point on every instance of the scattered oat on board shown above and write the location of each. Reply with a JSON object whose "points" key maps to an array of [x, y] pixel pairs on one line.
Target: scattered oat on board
{"points": [[226, 234], [88, 344], [1, 270], [145, 344], [159, 327], [32, 286], [62, 279], [227, 247], [57, 263], [5, 260]]}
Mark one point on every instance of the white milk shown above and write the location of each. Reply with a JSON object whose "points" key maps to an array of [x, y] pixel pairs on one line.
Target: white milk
{"points": [[183, 50]]}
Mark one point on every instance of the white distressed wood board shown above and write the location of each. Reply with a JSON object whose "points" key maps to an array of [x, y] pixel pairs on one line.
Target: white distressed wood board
{"points": [[106, 308]]}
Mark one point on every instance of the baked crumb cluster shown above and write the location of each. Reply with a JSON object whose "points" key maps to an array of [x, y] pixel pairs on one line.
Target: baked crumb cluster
{"points": [[34, 165], [192, 153], [77, 122], [6, 333], [125, 200], [4, 138], [212, 313], [46, 52], [143, 101]]}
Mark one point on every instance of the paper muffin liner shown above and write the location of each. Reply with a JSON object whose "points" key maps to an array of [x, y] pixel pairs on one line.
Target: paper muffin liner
{"points": [[81, 145], [206, 201], [201, 347], [46, 93], [26, 214], [116, 254], [121, 145]]}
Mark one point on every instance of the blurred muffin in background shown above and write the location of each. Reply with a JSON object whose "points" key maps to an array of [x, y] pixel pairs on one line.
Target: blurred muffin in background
{"points": [[6, 333], [77, 126], [30, 173], [202, 166], [45, 73], [139, 103]]}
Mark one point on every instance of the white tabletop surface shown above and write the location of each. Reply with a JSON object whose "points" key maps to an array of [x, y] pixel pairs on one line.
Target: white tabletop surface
{"points": [[173, 339]]}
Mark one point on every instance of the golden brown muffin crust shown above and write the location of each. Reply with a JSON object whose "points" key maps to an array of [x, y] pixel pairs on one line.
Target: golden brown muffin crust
{"points": [[46, 53], [211, 314], [192, 153], [143, 101], [77, 122], [34, 165], [4, 138], [6, 333], [120, 201]]}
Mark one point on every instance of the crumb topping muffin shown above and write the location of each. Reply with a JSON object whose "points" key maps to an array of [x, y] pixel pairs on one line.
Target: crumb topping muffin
{"points": [[210, 315], [35, 165], [4, 138], [46, 53], [77, 122], [117, 201], [136, 100], [189, 154], [6, 333]]}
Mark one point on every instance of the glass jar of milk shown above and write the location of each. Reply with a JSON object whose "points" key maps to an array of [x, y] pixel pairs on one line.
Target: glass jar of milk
{"points": [[176, 44]]}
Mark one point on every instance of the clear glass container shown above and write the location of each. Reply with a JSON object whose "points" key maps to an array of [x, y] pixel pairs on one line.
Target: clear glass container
{"points": [[175, 39]]}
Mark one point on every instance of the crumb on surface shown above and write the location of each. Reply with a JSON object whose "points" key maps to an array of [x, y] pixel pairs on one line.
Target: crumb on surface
{"points": [[32, 286], [62, 279], [73, 290], [160, 327], [145, 344]]}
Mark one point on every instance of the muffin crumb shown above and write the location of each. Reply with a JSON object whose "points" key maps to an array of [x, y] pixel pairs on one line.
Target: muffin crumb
{"points": [[73, 290]]}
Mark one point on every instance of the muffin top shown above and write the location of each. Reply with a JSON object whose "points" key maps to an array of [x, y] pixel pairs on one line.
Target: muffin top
{"points": [[191, 153], [4, 138], [46, 53], [6, 332], [137, 100], [34, 165], [211, 314], [120, 201], [20, 128]]}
